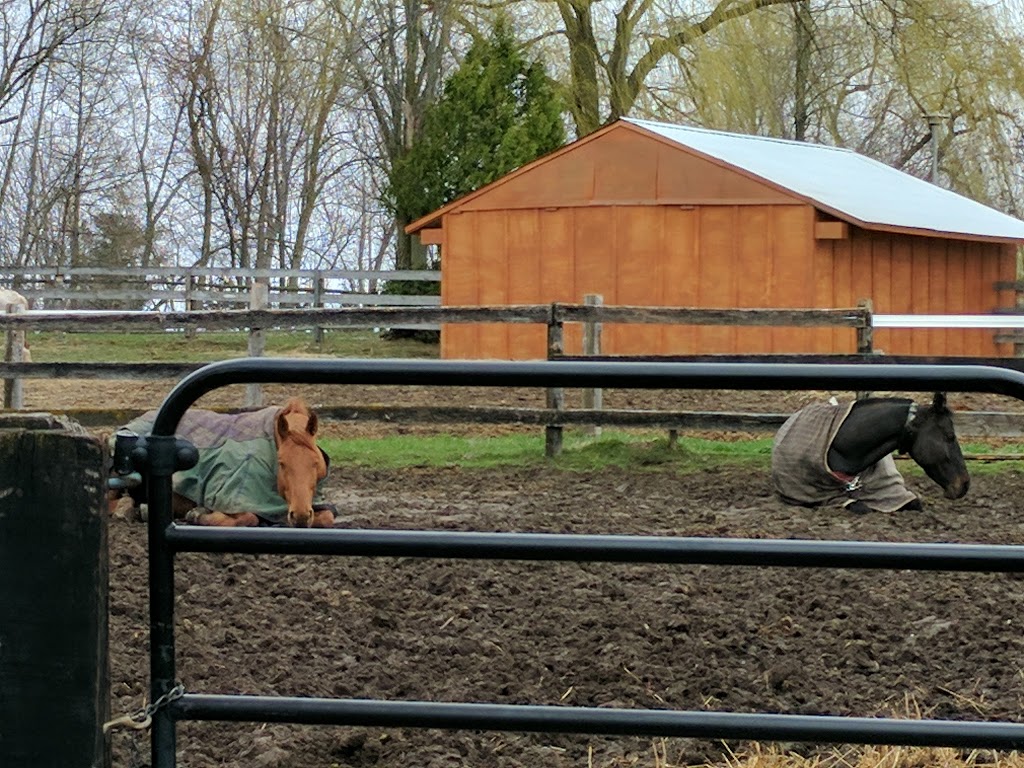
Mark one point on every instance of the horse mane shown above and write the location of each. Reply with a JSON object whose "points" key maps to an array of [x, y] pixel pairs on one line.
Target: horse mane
{"points": [[870, 400], [300, 433]]}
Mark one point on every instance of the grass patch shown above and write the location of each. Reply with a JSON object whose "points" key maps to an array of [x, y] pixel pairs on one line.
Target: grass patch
{"points": [[210, 346], [581, 452], [639, 450]]}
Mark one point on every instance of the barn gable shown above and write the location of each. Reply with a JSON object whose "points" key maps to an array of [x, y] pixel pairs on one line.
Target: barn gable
{"points": [[616, 165]]}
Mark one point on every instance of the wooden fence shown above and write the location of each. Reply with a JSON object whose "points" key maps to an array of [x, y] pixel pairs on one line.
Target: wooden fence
{"points": [[858, 319], [193, 288]]}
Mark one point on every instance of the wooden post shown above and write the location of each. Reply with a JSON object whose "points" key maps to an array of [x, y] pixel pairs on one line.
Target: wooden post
{"points": [[318, 302], [190, 301], [556, 395], [866, 336], [14, 389], [259, 298], [593, 399], [54, 678], [866, 332]]}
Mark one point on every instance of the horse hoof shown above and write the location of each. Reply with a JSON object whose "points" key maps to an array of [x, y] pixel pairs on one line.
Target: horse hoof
{"points": [[914, 505], [858, 508], [193, 515]]}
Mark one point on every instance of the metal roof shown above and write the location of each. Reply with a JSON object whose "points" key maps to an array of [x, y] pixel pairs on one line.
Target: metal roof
{"points": [[847, 184]]}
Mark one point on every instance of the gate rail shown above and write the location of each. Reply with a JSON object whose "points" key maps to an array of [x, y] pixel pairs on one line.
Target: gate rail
{"points": [[161, 454]]}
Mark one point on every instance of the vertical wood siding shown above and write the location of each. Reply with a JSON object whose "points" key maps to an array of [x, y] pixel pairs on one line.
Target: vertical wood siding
{"points": [[640, 222]]}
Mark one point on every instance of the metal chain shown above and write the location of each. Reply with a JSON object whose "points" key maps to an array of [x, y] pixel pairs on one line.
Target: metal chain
{"points": [[141, 719]]}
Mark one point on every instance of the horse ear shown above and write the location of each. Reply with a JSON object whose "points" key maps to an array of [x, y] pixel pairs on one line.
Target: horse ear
{"points": [[939, 402], [313, 423], [281, 425]]}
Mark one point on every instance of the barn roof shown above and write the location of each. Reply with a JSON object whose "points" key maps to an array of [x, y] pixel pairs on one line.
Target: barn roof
{"points": [[847, 184]]}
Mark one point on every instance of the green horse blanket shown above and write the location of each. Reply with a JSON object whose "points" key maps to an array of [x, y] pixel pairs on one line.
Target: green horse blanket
{"points": [[237, 469]]}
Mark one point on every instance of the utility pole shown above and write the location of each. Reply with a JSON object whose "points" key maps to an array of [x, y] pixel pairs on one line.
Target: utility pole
{"points": [[934, 121]]}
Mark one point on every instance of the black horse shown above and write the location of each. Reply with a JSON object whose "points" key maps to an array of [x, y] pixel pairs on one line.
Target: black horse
{"points": [[843, 453]]}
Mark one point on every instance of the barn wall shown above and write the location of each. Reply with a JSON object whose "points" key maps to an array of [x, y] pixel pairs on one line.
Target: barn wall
{"points": [[904, 274], [708, 256]]}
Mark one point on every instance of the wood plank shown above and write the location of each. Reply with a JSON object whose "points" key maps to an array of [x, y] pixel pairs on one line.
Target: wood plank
{"points": [[842, 282], [755, 253], [639, 274], [831, 230], [974, 295], [558, 228], [491, 256], [920, 291], [596, 270], [460, 285], [793, 281], [938, 278], [432, 236], [628, 168], [716, 277], [680, 227], [999, 268], [862, 266], [524, 282], [955, 303]]}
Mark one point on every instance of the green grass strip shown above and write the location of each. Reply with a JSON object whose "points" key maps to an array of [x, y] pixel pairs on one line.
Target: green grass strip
{"points": [[581, 452]]}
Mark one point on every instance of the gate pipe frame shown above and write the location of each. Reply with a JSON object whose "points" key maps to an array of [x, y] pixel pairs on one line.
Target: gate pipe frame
{"points": [[162, 457]]}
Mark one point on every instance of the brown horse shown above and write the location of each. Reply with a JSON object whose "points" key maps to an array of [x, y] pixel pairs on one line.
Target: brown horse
{"points": [[256, 468]]}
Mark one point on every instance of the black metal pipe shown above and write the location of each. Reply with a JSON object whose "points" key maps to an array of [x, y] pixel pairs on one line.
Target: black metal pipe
{"points": [[640, 722], [599, 548], [165, 539], [643, 375]]}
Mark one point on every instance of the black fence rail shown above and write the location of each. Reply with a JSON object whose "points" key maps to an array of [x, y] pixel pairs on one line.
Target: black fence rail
{"points": [[161, 454]]}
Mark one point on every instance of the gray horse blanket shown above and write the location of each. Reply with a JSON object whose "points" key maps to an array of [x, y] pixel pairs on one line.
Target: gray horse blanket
{"points": [[237, 469], [800, 471]]}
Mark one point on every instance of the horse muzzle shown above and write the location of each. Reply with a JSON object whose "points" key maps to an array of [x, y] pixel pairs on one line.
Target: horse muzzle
{"points": [[299, 519], [958, 488]]}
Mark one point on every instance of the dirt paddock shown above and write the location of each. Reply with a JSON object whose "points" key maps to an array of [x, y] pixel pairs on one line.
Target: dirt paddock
{"points": [[736, 639], [681, 637]]}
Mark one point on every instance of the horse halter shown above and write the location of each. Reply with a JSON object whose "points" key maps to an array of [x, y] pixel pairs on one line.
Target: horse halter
{"points": [[905, 435]]}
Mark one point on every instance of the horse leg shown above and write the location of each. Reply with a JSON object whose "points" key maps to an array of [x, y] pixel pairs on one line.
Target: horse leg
{"points": [[323, 518], [858, 508], [203, 516]]}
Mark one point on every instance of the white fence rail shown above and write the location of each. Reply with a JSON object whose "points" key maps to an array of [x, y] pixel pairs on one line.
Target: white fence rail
{"points": [[185, 288]]}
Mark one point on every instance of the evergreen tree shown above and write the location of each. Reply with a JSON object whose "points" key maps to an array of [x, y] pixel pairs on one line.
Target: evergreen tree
{"points": [[498, 112]]}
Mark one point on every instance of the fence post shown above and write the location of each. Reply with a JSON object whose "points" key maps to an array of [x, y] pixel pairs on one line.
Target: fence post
{"points": [[593, 399], [556, 395], [865, 335], [318, 302], [190, 301], [259, 298], [866, 332], [14, 389], [54, 678]]}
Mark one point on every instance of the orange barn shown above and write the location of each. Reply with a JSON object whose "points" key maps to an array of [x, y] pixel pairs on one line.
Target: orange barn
{"points": [[651, 214]]}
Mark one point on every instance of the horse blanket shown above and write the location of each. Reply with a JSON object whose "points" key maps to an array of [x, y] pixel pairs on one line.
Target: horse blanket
{"points": [[800, 471], [237, 468]]}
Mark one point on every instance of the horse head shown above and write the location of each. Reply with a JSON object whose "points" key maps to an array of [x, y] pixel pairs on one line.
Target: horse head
{"points": [[930, 440], [300, 463]]}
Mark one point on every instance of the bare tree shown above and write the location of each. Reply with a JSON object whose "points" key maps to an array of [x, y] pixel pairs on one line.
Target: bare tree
{"points": [[264, 85], [402, 50]]}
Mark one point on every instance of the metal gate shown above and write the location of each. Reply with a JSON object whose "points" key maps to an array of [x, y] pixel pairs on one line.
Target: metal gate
{"points": [[160, 454]]}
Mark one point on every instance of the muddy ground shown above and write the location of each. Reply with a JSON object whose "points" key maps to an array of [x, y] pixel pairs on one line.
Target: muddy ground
{"points": [[680, 637]]}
